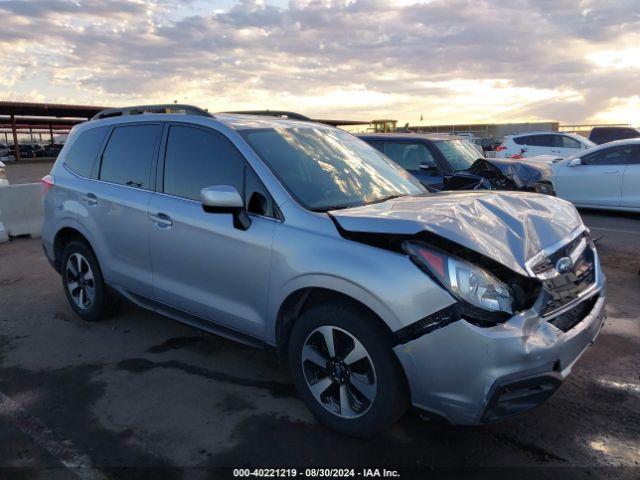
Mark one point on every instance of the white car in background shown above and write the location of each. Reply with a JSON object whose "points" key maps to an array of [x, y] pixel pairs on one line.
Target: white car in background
{"points": [[524, 145], [605, 177]]}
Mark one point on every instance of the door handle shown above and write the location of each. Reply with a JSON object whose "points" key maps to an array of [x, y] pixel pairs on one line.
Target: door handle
{"points": [[162, 220], [90, 199]]}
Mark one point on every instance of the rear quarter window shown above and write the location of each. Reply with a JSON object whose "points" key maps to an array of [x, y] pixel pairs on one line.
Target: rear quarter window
{"points": [[83, 152]]}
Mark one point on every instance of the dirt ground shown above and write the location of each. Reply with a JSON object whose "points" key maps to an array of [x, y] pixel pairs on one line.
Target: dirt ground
{"points": [[142, 396]]}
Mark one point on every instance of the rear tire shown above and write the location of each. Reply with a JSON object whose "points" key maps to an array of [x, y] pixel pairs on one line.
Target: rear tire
{"points": [[360, 390], [84, 285]]}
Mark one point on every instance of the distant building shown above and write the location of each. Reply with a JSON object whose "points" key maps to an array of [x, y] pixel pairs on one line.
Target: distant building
{"points": [[494, 131]]}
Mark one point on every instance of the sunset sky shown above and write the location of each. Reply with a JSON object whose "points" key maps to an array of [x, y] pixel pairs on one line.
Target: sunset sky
{"points": [[447, 61]]}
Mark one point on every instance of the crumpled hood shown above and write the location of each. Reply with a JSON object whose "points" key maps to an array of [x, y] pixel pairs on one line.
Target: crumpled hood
{"points": [[509, 228], [522, 173]]}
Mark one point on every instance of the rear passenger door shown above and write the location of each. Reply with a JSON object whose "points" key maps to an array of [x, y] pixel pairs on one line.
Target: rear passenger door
{"points": [[417, 159], [119, 200], [202, 264]]}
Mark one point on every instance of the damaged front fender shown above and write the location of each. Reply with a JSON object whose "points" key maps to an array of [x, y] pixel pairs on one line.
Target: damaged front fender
{"points": [[519, 174]]}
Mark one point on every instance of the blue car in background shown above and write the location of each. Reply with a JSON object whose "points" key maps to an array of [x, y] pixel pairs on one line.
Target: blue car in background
{"points": [[449, 162]]}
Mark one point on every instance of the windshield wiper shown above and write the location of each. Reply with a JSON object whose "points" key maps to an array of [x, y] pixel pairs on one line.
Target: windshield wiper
{"points": [[384, 199], [340, 206]]}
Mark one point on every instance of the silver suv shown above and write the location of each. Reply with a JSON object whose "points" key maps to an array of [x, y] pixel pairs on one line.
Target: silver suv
{"points": [[472, 306]]}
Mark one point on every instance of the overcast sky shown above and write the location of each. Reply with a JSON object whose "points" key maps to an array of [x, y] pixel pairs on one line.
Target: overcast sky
{"points": [[446, 61]]}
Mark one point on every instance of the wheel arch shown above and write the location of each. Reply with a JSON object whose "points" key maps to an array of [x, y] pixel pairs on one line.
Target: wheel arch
{"points": [[62, 238], [300, 300]]}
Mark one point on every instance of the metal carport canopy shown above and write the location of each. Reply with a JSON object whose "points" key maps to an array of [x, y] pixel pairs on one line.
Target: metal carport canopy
{"points": [[53, 113]]}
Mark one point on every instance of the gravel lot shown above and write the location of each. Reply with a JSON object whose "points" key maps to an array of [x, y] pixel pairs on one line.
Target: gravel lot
{"points": [[141, 391], [27, 171]]}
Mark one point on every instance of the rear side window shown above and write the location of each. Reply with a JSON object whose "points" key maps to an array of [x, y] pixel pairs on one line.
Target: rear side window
{"points": [[197, 158], [563, 141], [83, 153], [129, 155], [409, 155], [536, 140]]}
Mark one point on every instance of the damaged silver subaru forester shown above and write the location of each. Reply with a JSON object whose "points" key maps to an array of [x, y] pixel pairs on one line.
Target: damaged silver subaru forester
{"points": [[473, 306]]}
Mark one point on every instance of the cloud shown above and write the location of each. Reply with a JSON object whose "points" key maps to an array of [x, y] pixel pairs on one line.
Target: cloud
{"points": [[450, 61]]}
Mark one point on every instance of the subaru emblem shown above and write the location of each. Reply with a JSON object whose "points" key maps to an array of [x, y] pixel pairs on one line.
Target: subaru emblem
{"points": [[564, 265]]}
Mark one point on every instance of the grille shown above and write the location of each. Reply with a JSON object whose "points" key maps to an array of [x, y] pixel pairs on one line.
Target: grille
{"points": [[569, 319], [565, 288], [565, 251]]}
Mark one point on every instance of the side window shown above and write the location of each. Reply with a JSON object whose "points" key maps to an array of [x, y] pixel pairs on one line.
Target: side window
{"points": [[129, 155], [611, 156], [256, 197], [409, 155], [525, 140], [83, 153], [197, 158], [563, 141], [542, 140]]}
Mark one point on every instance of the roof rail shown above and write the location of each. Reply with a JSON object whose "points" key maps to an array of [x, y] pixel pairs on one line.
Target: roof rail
{"points": [[142, 109], [275, 113]]}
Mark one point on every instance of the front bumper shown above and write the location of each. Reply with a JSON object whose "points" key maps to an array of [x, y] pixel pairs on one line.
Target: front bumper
{"points": [[473, 375]]}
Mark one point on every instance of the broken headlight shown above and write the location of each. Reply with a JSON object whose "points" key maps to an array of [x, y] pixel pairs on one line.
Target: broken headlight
{"points": [[478, 290]]}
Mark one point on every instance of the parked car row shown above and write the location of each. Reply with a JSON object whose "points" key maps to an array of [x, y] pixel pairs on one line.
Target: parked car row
{"points": [[472, 306], [31, 150], [542, 143], [561, 144]]}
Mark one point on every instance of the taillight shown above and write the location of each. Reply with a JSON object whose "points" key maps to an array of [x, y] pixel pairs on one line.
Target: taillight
{"points": [[47, 182], [500, 148]]}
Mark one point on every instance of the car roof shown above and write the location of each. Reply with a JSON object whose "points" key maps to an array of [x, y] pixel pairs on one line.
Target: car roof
{"points": [[410, 136], [542, 132], [619, 127], [233, 121]]}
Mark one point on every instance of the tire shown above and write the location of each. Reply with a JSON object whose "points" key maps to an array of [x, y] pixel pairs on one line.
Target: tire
{"points": [[97, 303], [360, 398]]}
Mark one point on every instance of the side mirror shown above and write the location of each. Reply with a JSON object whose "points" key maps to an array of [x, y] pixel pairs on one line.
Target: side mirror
{"points": [[225, 199], [575, 162]]}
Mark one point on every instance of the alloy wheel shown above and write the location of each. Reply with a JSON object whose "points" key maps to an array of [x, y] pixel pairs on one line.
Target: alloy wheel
{"points": [[339, 371], [80, 281]]}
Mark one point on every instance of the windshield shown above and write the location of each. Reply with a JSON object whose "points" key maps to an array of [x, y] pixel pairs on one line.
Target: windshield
{"points": [[460, 154], [327, 169]]}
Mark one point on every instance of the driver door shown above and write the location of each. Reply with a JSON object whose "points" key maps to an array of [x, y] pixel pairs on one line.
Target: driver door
{"points": [[418, 160]]}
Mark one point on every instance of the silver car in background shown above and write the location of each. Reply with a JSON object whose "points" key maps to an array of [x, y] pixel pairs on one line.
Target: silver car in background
{"points": [[473, 306]]}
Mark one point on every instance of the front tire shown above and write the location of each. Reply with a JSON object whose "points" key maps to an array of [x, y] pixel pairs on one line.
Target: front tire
{"points": [[344, 368], [84, 285]]}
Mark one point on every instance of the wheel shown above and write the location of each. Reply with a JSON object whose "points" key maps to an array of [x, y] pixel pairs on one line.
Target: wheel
{"points": [[83, 283], [344, 368]]}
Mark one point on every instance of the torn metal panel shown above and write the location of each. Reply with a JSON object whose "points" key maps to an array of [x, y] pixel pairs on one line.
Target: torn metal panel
{"points": [[510, 228], [522, 174]]}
